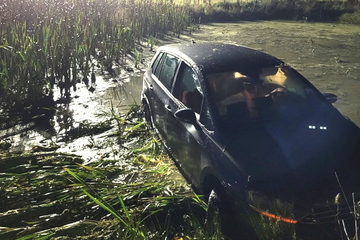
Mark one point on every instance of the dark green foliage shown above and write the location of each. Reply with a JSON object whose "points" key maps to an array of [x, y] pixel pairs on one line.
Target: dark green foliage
{"points": [[274, 10], [353, 18], [49, 194], [44, 43]]}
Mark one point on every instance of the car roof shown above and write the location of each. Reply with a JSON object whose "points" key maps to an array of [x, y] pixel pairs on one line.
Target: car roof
{"points": [[223, 57]]}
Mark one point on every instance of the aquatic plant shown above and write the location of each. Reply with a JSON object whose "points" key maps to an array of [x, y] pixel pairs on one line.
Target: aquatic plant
{"points": [[37, 189], [151, 43], [353, 18], [229, 10], [141, 196], [137, 58], [44, 43]]}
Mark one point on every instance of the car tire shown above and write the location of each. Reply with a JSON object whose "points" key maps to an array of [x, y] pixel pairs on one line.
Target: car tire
{"points": [[147, 114], [223, 218], [218, 214]]}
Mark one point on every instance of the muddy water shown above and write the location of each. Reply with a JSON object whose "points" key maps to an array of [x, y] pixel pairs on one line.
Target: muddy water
{"points": [[88, 106], [126, 94], [327, 54]]}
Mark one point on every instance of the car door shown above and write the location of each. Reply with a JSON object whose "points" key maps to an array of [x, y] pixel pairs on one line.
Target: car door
{"points": [[185, 140], [163, 72]]}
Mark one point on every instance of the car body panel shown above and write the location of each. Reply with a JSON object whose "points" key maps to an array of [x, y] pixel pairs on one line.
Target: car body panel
{"points": [[297, 150]]}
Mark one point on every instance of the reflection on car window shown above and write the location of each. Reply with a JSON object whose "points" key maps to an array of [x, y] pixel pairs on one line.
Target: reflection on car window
{"points": [[169, 66], [189, 91], [246, 97], [231, 88], [205, 118], [156, 64], [283, 77]]}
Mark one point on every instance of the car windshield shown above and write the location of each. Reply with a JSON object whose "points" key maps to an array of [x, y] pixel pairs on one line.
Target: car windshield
{"points": [[260, 95]]}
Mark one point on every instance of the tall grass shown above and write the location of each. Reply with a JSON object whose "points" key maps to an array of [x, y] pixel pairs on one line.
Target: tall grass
{"points": [[49, 194], [47, 42], [230, 10], [353, 18]]}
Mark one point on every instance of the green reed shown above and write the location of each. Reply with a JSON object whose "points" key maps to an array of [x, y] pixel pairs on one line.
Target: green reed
{"points": [[57, 195], [48, 41]]}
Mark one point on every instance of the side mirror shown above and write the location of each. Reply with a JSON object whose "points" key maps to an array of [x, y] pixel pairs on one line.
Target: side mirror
{"points": [[332, 98], [186, 115]]}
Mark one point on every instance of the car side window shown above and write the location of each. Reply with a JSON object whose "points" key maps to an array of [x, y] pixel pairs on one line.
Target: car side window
{"points": [[205, 118], [188, 89], [156, 64], [168, 69]]}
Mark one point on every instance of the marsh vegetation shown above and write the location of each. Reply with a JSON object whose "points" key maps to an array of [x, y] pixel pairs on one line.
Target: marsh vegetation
{"points": [[306, 10], [108, 177], [50, 194], [47, 43]]}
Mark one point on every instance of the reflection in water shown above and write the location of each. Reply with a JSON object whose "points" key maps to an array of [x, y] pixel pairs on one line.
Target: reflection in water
{"points": [[78, 117], [64, 120], [87, 108], [125, 94]]}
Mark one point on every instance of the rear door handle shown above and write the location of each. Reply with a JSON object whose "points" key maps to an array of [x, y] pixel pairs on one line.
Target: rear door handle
{"points": [[151, 87]]}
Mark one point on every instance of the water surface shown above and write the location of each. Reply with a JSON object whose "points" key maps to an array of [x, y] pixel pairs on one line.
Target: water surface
{"points": [[327, 54]]}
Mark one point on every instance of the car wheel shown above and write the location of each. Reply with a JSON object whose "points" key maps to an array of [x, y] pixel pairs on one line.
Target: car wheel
{"points": [[223, 218], [219, 214], [147, 114]]}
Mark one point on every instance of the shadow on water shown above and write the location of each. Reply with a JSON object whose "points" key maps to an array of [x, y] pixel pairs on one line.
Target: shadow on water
{"points": [[125, 93], [75, 116]]}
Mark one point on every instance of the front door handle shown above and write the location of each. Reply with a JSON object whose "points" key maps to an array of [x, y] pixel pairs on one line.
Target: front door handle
{"points": [[151, 87], [168, 107]]}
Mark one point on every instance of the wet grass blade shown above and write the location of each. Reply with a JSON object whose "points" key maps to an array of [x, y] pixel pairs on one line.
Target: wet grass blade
{"points": [[133, 128], [38, 235], [105, 206], [90, 169], [100, 201], [124, 207], [200, 202]]}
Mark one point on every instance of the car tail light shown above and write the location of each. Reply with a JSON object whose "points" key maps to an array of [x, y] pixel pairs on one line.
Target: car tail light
{"points": [[270, 215], [271, 207]]}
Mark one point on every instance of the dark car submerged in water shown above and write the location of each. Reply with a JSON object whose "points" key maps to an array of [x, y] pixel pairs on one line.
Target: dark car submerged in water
{"points": [[246, 126]]}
